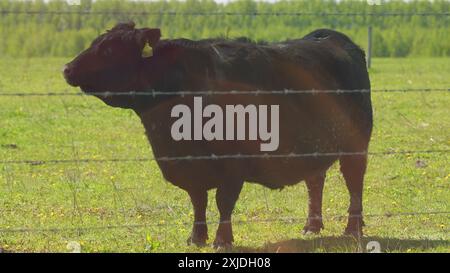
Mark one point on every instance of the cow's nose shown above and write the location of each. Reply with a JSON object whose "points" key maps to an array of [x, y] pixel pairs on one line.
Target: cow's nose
{"points": [[67, 71]]}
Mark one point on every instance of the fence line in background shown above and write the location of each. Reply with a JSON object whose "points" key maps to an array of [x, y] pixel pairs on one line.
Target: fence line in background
{"points": [[222, 13], [229, 92], [218, 157], [270, 220]]}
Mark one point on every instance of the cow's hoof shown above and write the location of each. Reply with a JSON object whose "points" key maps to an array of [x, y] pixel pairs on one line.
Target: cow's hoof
{"points": [[307, 231], [222, 245], [199, 241], [354, 227], [312, 229], [355, 233], [313, 226]]}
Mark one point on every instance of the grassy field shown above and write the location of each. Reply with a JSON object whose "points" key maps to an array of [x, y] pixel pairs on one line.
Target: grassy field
{"points": [[59, 203]]}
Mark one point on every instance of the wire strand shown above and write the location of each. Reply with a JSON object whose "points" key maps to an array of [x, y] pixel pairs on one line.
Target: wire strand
{"points": [[217, 157], [270, 220], [223, 13], [229, 92]]}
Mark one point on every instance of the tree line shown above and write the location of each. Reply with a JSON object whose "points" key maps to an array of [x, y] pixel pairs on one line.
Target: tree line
{"points": [[55, 28]]}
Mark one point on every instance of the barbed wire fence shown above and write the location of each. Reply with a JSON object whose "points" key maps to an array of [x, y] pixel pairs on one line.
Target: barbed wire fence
{"points": [[220, 13], [76, 160], [154, 93], [189, 224], [220, 157]]}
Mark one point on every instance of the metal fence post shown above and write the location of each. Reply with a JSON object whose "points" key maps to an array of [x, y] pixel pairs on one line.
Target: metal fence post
{"points": [[369, 47]]}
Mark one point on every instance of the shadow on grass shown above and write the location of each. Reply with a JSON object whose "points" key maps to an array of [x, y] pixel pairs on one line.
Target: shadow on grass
{"points": [[349, 244]]}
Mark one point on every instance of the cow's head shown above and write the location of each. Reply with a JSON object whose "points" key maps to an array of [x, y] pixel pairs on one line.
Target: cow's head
{"points": [[112, 63]]}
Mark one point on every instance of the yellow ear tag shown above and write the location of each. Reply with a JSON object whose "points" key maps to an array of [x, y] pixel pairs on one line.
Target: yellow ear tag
{"points": [[147, 51]]}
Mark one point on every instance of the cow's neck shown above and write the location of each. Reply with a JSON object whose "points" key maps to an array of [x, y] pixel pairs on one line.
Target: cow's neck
{"points": [[173, 68]]}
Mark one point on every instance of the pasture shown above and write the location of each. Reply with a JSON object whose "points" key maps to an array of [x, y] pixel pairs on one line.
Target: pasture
{"points": [[128, 207]]}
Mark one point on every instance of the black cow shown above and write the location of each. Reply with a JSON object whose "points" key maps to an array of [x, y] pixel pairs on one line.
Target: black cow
{"points": [[338, 124]]}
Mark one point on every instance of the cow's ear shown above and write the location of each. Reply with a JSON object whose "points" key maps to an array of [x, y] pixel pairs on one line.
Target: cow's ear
{"points": [[149, 36], [124, 26]]}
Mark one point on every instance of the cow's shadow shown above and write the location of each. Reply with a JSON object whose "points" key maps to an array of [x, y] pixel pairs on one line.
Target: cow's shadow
{"points": [[350, 244]]}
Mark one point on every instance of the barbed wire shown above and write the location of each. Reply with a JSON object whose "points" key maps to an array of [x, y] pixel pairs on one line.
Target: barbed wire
{"points": [[229, 92], [165, 224], [222, 13], [217, 157]]}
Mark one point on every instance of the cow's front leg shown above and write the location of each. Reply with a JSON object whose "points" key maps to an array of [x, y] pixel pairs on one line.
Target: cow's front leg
{"points": [[199, 233], [226, 197]]}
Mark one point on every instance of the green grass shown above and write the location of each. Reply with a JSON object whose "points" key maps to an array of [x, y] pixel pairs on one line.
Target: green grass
{"points": [[73, 196]]}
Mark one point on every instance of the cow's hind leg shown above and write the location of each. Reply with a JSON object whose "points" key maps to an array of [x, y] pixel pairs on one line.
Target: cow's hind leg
{"points": [[226, 197], [315, 188], [353, 168], [199, 233]]}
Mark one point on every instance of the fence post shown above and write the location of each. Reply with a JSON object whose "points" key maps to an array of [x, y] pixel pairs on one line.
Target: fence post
{"points": [[369, 47]]}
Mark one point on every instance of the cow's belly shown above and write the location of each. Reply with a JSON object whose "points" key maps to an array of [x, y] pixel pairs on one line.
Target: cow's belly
{"points": [[279, 173], [272, 173]]}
